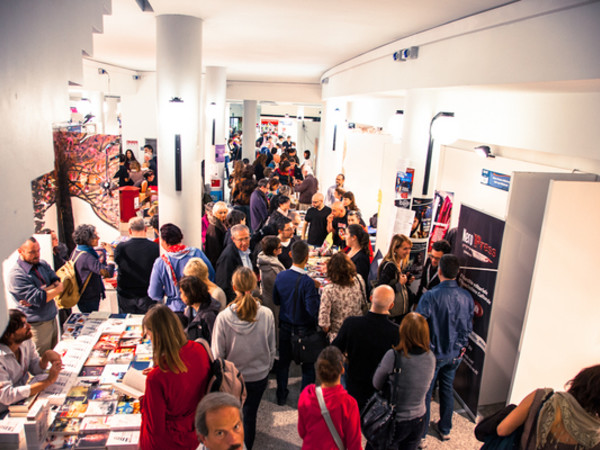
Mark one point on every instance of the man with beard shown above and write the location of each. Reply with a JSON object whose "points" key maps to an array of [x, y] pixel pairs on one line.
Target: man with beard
{"points": [[18, 359]]}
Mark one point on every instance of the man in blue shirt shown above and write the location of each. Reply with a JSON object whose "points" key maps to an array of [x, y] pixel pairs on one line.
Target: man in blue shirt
{"points": [[448, 309], [301, 319], [33, 285]]}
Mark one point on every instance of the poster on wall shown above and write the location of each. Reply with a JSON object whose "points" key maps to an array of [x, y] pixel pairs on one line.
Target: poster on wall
{"points": [[422, 221], [479, 241], [84, 167], [417, 258], [219, 153], [442, 214], [403, 188], [402, 221]]}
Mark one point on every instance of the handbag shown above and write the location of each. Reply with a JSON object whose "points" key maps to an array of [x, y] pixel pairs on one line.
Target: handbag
{"points": [[306, 343], [325, 413], [401, 300], [485, 431], [379, 414]]}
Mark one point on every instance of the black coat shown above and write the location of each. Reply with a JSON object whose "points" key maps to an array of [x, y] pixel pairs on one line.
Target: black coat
{"points": [[226, 264]]}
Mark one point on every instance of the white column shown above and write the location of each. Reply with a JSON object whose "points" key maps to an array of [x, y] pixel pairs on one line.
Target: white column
{"points": [[179, 74], [215, 102], [249, 126]]}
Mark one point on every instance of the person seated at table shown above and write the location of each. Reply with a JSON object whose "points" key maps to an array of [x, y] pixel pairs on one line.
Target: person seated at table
{"points": [[18, 359]]}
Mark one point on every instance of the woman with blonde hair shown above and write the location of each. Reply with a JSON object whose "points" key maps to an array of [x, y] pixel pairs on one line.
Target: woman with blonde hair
{"points": [[244, 333], [174, 386], [391, 271], [411, 383], [196, 267]]}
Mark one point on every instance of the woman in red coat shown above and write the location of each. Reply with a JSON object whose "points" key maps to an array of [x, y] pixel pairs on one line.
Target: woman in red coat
{"points": [[342, 407], [175, 385]]}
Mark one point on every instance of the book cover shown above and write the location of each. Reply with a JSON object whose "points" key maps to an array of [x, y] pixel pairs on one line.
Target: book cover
{"points": [[64, 425], [107, 342], [113, 373], [124, 422], [93, 440], [57, 441], [91, 371], [129, 405], [129, 342], [94, 424], [74, 408], [97, 358], [101, 407], [132, 331], [103, 393], [77, 393], [123, 439], [22, 406], [121, 355]]}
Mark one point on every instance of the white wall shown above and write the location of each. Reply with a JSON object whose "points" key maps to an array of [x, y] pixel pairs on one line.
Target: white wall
{"points": [[561, 334], [277, 92], [40, 46]]}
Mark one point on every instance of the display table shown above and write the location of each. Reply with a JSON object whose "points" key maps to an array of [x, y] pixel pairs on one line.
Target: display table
{"points": [[85, 407]]}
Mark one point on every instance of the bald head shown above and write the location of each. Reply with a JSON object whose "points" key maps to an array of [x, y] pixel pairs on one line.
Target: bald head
{"points": [[382, 299], [338, 209]]}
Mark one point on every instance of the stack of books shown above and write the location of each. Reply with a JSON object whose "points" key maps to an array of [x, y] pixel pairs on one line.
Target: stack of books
{"points": [[11, 431]]}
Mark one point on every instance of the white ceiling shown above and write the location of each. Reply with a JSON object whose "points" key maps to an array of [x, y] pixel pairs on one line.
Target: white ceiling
{"points": [[267, 40]]}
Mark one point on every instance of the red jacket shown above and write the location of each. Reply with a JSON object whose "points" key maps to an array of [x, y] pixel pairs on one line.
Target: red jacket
{"points": [[344, 414], [169, 404]]}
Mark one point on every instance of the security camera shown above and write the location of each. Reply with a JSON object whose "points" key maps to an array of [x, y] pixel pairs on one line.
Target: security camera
{"points": [[136, 77]]}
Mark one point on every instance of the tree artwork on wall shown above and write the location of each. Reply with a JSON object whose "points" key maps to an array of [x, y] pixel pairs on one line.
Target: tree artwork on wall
{"points": [[84, 165]]}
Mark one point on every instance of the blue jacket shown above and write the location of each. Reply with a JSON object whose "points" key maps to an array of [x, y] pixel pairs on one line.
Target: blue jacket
{"points": [[258, 209], [24, 284], [161, 279], [448, 309], [308, 299]]}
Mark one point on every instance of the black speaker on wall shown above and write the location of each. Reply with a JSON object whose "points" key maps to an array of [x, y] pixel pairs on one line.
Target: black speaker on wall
{"points": [[178, 162]]}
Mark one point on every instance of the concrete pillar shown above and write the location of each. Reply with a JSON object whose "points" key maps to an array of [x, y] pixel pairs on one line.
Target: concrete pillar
{"points": [[179, 74], [215, 103], [249, 126]]}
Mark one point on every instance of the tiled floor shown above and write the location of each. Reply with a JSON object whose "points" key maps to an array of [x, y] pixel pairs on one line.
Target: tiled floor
{"points": [[276, 425]]}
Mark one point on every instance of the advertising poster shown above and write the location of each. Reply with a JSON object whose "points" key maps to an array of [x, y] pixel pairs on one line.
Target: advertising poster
{"points": [[442, 214], [404, 185], [422, 221], [417, 258], [220, 153], [478, 242]]}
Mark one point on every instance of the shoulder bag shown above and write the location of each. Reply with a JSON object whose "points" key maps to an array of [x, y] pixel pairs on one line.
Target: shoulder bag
{"points": [[379, 414], [306, 344], [401, 301], [325, 412]]}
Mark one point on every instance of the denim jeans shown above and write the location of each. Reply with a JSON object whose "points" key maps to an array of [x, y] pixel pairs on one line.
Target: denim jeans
{"points": [[445, 370], [255, 390], [285, 358]]}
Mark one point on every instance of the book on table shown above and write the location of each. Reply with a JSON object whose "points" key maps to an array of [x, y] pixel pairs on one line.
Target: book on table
{"points": [[132, 384]]}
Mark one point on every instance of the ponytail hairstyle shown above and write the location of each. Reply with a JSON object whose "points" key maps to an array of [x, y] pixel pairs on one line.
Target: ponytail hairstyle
{"points": [[244, 282], [361, 235], [167, 338]]}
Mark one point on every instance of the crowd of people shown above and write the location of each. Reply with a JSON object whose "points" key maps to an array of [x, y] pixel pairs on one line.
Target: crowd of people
{"points": [[245, 290]]}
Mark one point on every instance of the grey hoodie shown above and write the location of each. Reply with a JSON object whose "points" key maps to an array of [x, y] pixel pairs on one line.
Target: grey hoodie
{"points": [[249, 345]]}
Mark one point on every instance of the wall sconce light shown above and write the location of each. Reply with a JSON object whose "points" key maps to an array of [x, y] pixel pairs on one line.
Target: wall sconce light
{"points": [[484, 151], [178, 182], [443, 134], [212, 111], [336, 117], [395, 125]]}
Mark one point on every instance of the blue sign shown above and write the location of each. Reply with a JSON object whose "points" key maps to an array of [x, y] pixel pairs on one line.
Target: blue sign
{"points": [[495, 179]]}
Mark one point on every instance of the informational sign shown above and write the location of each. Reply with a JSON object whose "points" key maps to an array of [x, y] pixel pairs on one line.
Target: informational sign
{"points": [[132, 145], [479, 241], [495, 179], [219, 153]]}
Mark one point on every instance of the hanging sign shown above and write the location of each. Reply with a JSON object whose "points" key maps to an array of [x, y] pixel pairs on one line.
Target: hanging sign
{"points": [[495, 180]]}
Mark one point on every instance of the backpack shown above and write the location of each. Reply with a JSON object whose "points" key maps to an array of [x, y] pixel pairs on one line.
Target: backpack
{"points": [[224, 376], [71, 294]]}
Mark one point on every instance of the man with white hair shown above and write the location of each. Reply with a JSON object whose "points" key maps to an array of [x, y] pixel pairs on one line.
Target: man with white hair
{"points": [[364, 355], [233, 256], [307, 188], [135, 259]]}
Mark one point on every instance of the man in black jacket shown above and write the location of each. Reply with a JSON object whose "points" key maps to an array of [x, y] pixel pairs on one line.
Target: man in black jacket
{"points": [[233, 256], [430, 278], [365, 339], [135, 259]]}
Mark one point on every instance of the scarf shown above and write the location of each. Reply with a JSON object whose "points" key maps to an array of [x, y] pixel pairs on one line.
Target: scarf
{"points": [[581, 425], [89, 249], [176, 248]]}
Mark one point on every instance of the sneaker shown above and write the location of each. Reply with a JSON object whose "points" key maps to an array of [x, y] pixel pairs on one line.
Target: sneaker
{"points": [[423, 443], [281, 399], [436, 428]]}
